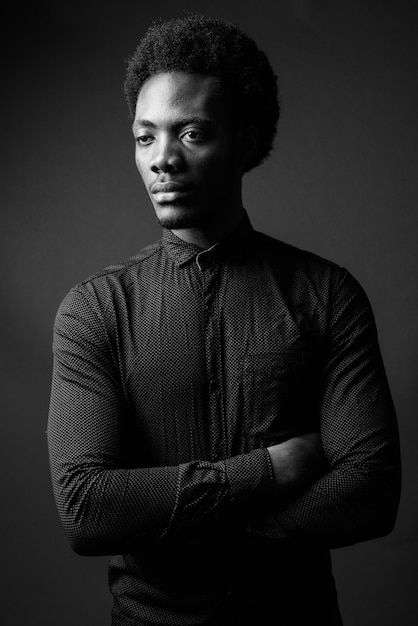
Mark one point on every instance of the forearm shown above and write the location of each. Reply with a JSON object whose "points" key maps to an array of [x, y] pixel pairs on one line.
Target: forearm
{"points": [[107, 510], [351, 503], [356, 495]]}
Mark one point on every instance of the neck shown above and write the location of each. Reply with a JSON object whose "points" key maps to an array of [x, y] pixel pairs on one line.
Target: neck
{"points": [[208, 235]]}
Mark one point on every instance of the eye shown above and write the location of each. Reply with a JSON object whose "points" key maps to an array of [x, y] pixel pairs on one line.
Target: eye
{"points": [[195, 136], [143, 140]]}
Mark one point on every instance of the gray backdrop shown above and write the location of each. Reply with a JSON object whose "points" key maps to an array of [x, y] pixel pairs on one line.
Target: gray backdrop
{"points": [[342, 183]]}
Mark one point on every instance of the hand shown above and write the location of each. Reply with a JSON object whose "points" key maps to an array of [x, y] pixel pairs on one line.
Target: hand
{"points": [[297, 462]]}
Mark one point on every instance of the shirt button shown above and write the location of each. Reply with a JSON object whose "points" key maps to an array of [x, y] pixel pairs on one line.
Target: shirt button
{"points": [[214, 385]]}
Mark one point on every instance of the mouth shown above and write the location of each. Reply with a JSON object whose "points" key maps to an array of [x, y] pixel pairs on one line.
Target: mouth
{"points": [[167, 186], [168, 191]]}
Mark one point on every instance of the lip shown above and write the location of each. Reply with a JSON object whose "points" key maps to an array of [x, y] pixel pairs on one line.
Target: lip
{"points": [[168, 187]]}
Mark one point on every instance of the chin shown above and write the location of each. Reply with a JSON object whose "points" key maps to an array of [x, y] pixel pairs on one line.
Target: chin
{"points": [[174, 218]]}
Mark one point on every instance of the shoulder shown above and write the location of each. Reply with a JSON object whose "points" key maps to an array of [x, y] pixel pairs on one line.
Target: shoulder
{"points": [[127, 268], [293, 256], [97, 292], [303, 269]]}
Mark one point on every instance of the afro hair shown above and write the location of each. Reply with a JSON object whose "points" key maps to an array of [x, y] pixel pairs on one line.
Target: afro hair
{"points": [[200, 45]]}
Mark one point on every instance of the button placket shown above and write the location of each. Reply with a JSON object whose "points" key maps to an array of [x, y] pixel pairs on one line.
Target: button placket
{"points": [[210, 274]]}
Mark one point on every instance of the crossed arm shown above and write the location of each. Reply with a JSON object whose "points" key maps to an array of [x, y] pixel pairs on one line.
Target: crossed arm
{"points": [[333, 488], [107, 508]]}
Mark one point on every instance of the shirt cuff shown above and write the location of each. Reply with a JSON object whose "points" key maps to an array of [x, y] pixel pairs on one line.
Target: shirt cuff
{"points": [[249, 475]]}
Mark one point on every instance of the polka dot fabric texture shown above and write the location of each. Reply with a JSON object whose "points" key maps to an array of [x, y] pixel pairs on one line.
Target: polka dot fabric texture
{"points": [[173, 372]]}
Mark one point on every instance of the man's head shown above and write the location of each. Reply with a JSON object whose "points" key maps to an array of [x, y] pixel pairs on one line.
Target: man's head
{"points": [[204, 104], [211, 47]]}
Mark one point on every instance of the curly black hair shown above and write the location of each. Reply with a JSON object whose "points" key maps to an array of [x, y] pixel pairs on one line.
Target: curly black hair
{"points": [[209, 46]]}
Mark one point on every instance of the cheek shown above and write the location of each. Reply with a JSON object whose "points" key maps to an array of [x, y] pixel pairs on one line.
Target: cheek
{"points": [[138, 162], [141, 168], [219, 162], [220, 169]]}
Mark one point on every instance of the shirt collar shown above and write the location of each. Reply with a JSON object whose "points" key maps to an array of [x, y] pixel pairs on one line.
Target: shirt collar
{"points": [[182, 252]]}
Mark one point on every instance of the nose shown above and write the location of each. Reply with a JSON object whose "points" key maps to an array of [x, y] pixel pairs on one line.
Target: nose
{"points": [[166, 156]]}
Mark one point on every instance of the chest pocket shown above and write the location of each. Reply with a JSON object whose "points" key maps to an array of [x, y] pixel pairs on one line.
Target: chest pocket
{"points": [[275, 393]]}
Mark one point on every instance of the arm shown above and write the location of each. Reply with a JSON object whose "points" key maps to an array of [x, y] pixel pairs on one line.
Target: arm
{"points": [[357, 498], [106, 506]]}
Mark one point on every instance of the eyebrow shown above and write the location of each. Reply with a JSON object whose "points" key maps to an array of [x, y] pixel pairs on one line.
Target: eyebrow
{"points": [[179, 124]]}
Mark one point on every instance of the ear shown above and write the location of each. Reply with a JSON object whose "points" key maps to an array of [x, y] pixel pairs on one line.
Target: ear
{"points": [[248, 144]]}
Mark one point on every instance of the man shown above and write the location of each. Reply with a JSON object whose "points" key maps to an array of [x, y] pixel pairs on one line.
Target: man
{"points": [[220, 417]]}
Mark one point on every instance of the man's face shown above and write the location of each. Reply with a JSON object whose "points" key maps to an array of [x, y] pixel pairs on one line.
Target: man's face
{"points": [[186, 150]]}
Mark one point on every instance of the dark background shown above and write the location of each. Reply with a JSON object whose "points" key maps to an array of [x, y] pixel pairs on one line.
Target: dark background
{"points": [[342, 183]]}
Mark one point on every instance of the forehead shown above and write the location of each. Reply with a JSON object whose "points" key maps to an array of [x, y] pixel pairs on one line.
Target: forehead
{"points": [[174, 94]]}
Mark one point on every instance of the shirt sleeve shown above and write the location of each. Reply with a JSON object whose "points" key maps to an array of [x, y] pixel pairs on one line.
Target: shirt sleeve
{"points": [[357, 499], [106, 506]]}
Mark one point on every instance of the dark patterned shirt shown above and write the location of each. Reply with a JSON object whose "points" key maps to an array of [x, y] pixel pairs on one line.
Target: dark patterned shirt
{"points": [[173, 372]]}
